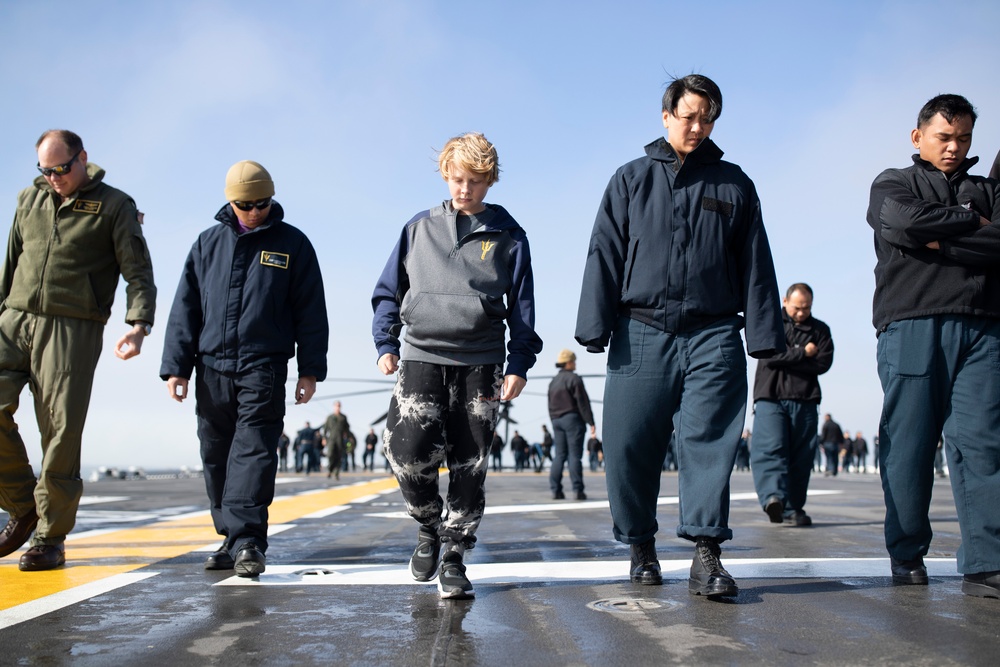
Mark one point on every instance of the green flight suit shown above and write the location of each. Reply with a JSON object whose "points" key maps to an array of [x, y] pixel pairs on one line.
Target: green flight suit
{"points": [[63, 261]]}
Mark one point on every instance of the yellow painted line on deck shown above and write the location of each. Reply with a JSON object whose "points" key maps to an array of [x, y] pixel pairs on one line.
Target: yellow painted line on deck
{"points": [[96, 557]]}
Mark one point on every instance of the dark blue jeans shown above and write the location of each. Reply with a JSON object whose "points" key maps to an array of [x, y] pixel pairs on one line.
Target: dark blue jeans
{"points": [[694, 382], [941, 374], [568, 432], [240, 418], [781, 458]]}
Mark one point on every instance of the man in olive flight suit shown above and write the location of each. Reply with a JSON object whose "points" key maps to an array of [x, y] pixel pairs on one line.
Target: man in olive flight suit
{"points": [[72, 236]]}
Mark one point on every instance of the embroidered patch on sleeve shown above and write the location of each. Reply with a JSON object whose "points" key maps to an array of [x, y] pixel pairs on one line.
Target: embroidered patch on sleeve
{"points": [[721, 207], [276, 259], [87, 206]]}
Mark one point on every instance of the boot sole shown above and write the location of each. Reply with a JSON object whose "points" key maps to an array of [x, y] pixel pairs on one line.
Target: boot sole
{"points": [[979, 590], [695, 588], [647, 581]]}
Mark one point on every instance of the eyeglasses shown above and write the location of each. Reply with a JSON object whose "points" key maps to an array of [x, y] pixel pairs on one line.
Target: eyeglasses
{"points": [[59, 170], [260, 204]]}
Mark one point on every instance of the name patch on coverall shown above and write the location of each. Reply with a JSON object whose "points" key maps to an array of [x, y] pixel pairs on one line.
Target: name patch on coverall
{"points": [[86, 206], [275, 259]]}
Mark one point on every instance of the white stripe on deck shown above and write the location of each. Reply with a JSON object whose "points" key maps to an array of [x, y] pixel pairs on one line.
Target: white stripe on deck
{"points": [[56, 601], [584, 571], [565, 505]]}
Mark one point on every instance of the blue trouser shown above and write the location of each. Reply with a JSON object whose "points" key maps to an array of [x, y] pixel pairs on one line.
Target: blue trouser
{"points": [[240, 418], [781, 459], [568, 431], [700, 379], [941, 374]]}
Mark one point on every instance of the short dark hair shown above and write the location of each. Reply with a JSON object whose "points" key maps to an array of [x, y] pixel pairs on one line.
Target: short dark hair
{"points": [[699, 85], [949, 106], [799, 287], [71, 140]]}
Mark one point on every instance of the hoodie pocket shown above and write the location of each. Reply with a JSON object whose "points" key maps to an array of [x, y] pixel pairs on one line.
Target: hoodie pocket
{"points": [[454, 321]]}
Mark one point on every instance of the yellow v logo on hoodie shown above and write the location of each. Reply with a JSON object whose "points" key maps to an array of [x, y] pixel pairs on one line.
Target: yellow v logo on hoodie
{"points": [[487, 246]]}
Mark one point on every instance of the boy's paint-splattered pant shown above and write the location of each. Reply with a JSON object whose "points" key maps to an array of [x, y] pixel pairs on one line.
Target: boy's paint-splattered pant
{"points": [[443, 415]]}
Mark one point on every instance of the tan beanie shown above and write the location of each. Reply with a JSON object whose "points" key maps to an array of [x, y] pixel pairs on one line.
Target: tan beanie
{"points": [[248, 181]]}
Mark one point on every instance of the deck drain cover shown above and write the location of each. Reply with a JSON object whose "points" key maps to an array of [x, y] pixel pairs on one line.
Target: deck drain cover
{"points": [[628, 605]]}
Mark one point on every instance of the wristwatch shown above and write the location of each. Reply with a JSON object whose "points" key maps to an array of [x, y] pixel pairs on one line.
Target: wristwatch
{"points": [[147, 328]]}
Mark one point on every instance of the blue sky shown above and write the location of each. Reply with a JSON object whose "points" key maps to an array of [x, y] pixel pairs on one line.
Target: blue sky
{"points": [[345, 102]]}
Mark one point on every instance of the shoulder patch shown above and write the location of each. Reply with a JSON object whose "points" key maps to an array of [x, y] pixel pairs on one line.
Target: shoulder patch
{"points": [[276, 259], [721, 207], [87, 206]]}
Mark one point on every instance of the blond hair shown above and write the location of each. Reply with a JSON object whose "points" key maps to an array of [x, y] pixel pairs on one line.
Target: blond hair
{"points": [[473, 152]]}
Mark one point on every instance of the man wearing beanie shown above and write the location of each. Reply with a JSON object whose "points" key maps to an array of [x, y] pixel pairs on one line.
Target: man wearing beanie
{"points": [[569, 410], [250, 298], [72, 236]]}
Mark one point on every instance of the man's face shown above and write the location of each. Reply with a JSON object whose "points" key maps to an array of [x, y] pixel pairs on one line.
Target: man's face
{"points": [[468, 190], [688, 125], [944, 144], [253, 218], [799, 307], [52, 153]]}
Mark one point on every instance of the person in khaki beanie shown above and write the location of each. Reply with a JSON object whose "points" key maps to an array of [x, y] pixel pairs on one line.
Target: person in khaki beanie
{"points": [[250, 298]]}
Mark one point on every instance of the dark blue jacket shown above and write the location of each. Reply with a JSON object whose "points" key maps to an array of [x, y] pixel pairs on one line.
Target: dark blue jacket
{"points": [[680, 248], [248, 299]]}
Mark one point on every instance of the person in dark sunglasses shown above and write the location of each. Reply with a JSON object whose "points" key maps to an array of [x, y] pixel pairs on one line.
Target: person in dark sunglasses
{"points": [[250, 298], [72, 236]]}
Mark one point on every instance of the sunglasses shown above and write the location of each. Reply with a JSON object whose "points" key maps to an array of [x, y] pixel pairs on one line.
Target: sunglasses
{"points": [[260, 204], [59, 170]]}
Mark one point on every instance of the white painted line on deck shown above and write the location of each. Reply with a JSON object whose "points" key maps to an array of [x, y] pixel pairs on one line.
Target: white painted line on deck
{"points": [[325, 512], [334, 574], [56, 601], [95, 500], [564, 505]]}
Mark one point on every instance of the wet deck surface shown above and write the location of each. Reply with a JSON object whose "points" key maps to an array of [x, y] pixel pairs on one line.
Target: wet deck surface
{"points": [[551, 585]]}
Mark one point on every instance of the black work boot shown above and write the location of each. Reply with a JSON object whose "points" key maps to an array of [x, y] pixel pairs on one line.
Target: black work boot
{"points": [[708, 577], [645, 565]]}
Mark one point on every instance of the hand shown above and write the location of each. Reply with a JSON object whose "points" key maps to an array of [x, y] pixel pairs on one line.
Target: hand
{"points": [[593, 430], [178, 388], [388, 363], [934, 245], [811, 349], [130, 344], [512, 386], [304, 389], [984, 221]]}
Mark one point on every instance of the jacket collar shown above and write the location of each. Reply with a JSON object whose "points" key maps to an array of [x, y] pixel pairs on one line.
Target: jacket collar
{"points": [[707, 152], [500, 219], [963, 169]]}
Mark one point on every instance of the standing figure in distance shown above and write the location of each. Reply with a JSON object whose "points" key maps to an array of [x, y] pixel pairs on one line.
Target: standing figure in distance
{"points": [[335, 430], [569, 411], [786, 398]]}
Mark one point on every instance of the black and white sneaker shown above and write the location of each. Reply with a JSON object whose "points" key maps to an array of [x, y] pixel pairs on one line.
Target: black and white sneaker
{"points": [[424, 561], [452, 582]]}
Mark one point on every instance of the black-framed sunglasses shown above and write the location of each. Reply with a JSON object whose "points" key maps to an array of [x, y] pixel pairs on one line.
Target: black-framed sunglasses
{"points": [[260, 204], [59, 169]]}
